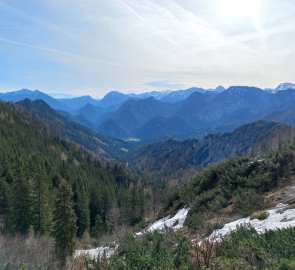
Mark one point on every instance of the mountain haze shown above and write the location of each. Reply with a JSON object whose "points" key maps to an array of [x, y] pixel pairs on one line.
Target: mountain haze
{"points": [[57, 125], [181, 114]]}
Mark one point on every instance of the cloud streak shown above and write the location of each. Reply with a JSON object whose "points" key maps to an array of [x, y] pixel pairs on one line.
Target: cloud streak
{"points": [[58, 52], [150, 24], [114, 44]]}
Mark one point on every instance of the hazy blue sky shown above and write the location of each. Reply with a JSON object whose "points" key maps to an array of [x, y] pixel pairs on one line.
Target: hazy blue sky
{"points": [[94, 46]]}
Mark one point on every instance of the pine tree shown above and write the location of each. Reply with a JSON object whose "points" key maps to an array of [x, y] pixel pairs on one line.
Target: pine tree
{"points": [[4, 203], [19, 208], [82, 211], [137, 201], [100, 227], [64, 218], [41, 215]]}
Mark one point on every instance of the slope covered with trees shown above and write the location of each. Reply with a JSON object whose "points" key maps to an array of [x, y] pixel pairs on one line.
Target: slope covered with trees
{"points": [[34, 163], [231, 188], [48, 185], [64, 126], [156, 116], [234, 187], [174, 160]]}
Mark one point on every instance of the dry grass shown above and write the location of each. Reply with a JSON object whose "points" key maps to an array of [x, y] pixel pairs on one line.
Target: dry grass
{"points": [[31, 252], [38, 253], [108, 238], [260, 215]]}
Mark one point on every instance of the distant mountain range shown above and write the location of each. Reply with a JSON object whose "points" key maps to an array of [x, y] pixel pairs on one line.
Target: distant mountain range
{"points": [[199, 114], [17, 96], [180, 114], [110, 101]]}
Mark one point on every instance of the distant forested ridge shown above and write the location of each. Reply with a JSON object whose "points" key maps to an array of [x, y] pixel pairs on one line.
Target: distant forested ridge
{"points": [[184, 114], [179, 160], [61, 124]]}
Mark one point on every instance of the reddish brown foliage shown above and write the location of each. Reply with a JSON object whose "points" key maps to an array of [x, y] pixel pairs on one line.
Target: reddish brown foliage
{"points": [[205, 251]]}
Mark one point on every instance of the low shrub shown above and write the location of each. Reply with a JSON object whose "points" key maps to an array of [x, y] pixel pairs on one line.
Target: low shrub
{"points": [[271, 250], [260, 215]]}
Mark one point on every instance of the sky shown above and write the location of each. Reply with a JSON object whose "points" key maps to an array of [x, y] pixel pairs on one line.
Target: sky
{"points": [[80, 47]]}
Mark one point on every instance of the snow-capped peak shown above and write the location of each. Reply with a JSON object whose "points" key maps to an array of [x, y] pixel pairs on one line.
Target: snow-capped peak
{"points": [[285, 86]]}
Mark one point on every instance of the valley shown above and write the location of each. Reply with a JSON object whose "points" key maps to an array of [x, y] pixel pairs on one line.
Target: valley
{"points": [[195, 112], [172, 181], [147, 135]]}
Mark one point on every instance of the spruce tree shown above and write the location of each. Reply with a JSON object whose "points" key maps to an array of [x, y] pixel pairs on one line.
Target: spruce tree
{"points": [[82, 211], [4, 203], [41, 214], [85, 217], [19, 208], [64, 219]]}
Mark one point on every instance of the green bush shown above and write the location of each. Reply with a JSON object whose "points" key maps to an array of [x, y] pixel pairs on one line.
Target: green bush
{"points": [[272, 250], [157, 251], [246, 201]]}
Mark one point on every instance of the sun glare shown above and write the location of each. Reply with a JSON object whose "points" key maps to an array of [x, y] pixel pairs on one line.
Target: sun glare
{"points": [[241, 8]]}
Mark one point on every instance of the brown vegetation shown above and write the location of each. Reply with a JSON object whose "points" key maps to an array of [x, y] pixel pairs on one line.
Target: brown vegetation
{"points": [[31, 251], [205, 251]]}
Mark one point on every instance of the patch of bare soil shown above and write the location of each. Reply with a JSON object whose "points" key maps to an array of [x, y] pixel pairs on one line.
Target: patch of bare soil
{"points": [[283, 194]]}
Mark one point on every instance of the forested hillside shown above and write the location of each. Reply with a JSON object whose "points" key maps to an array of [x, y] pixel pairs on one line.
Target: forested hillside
{"points": [[52, 186], [236, 186], [34, 166], [60, 124], [154, 116], [175, 160]]}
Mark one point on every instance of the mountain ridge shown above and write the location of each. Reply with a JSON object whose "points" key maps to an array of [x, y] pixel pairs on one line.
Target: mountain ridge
{"points": [[203, 111], [64, 128], [172, 159]]}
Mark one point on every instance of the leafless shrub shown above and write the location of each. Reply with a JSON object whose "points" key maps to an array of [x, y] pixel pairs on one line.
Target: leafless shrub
{"points": [[205, 251], [114, 236], [34, 252]]}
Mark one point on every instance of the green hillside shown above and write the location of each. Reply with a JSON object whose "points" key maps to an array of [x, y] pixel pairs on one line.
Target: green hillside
{"points": [[223, 192], [234, 187], [33, 163], [173, 160]]}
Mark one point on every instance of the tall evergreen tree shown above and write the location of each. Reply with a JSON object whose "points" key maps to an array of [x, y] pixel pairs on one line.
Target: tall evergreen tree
{"points": [[41, 214], [19, 208], [4, 205], [82, 210], [64, 218]]}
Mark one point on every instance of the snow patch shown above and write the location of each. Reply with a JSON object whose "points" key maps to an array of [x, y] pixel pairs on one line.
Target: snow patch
{"points": [[96, 253], [174, 223], [279, 218], [285, 86]]}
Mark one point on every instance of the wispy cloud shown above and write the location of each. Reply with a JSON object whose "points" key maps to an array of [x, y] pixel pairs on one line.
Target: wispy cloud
{"points": [[149, 23], [19, 13], [58, 52], [114, 44]]}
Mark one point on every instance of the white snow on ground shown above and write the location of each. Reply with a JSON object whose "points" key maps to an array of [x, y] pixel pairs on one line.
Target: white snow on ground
{"points": [[279, 218], [175, 222], [99, 252]]}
